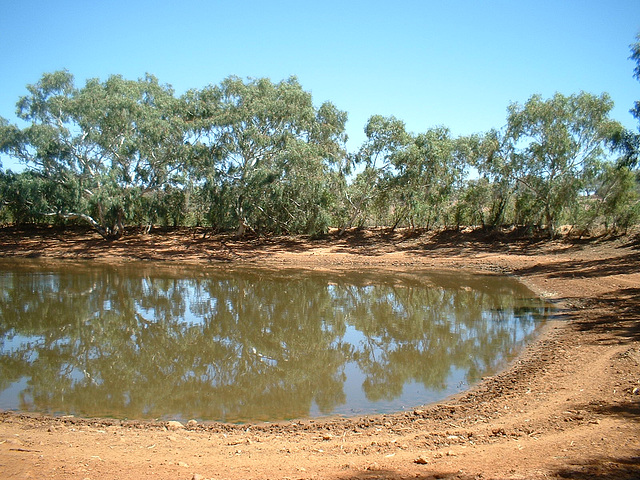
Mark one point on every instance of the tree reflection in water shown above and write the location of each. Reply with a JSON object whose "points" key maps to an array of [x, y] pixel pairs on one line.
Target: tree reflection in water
{"points": [[248, 345]]}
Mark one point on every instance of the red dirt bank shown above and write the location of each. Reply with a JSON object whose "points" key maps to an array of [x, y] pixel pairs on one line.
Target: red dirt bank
{"points": [[567, 408]]}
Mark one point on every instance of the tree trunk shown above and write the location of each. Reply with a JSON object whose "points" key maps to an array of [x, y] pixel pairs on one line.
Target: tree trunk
{"points": [[550, 226], [103, 231]]}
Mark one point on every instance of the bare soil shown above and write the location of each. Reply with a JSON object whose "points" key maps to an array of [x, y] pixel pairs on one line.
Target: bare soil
{"points": [[568, 407]]}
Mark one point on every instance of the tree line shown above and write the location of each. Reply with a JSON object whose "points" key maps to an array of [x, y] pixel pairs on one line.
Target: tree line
{"points": [[253, 155]]}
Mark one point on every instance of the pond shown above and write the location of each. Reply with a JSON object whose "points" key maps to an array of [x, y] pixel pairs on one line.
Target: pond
{"points": [[140, 341]]}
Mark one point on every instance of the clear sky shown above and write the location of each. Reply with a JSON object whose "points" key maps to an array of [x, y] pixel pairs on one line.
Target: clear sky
{"points": [[455, 63]]}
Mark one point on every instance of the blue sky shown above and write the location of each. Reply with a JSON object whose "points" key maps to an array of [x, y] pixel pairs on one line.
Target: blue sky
{"points": [[454, 63]]}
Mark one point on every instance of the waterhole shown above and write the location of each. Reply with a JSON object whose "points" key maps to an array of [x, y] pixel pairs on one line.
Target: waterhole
{"points": [[247, 344]]}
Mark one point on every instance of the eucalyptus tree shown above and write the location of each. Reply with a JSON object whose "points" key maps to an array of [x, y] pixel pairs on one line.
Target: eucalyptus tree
{"points": [[635, 56], [109, 146], [555, 144], [428, 172], [614, 203], [7, 136], [628, 141], [489, 199], [616, 199], [140, 134], [25, 195], [266, 150], [368, 194], [48, 145], [411, 178]]}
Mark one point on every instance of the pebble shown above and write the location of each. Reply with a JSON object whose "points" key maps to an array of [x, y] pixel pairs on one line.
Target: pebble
{"points": [[192, 423], [174, 425], [421, 460], [197, 476]]}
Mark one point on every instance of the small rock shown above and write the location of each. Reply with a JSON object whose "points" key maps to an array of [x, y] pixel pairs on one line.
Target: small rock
{"points": [[197, 476], [636, 391], [174, 425], [192, 423], [421, 460], [182, 464]]}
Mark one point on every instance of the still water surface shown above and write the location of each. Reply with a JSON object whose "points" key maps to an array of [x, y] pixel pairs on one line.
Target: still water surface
{"points": [[240, 345]]}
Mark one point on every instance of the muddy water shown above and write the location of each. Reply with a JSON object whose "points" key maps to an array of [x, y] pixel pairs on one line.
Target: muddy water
{"points": [[238, 345]]}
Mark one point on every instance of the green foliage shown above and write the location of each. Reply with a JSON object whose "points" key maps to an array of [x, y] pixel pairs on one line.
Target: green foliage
{"points": [[368, 196], [22, 197], [554, 145], [257, 156], [267, 151], [407, 179], [107, 145], [615, 202], [627, 141], [635, 56]]}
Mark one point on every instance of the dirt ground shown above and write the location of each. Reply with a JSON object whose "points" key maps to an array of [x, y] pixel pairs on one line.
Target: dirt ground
{"points": [[568, 407]]}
